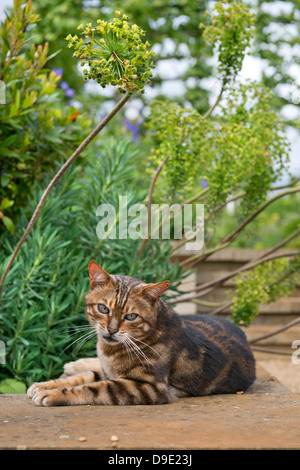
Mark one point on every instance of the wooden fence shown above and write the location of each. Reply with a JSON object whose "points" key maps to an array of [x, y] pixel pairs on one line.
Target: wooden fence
{"points": [[271, 316]]}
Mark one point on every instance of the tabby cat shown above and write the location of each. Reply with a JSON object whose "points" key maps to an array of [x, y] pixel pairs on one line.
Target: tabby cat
{"points": [[148, 354]]}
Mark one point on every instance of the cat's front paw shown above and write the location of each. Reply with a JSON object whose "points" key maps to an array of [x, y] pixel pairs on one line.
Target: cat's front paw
{"points": [[54, 397], [81, 365], [35, 388], [74, 367]]}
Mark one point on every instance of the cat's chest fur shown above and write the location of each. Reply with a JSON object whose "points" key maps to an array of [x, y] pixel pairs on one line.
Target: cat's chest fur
{"points": [[107, 364]]}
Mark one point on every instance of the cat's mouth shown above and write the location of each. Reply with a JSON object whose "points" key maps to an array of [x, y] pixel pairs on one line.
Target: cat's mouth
{"points": [[110, 340]]}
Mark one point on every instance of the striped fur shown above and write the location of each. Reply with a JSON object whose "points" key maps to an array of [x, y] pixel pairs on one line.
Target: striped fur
{"points": [[152, 359]]}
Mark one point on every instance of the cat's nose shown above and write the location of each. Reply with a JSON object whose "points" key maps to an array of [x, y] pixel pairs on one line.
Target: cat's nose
{"points": [[111, 330]]}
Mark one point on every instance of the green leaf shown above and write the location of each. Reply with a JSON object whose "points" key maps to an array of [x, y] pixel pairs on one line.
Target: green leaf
{"points": [[6, 203], [15, 106], [12, 386], [51, 56], [8, 224], [29, 99], [5, 179]]}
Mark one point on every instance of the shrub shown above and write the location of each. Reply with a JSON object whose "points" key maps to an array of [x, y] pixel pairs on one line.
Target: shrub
{"points": [[35, 121], [43, 298]]}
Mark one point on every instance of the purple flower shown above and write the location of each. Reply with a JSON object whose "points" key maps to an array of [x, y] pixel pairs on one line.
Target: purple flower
{"points": [[69, 93], [132, 127], [58, 71], [204, 184], [64, 86]]}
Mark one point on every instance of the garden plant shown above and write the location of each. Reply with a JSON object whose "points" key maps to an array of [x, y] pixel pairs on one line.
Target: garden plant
{"points": [[57, 165]]}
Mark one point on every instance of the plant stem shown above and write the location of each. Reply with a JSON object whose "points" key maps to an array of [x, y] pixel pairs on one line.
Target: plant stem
{"points": [[206, 303], [275, 332], [256, 213], [211, 109], [280, 244], [158, 170], [185, 297], [292, 183], [233, 198], [195, 258], [271, 351], [196, 197], [52, 183], [211, 285], [184, 240], [150, 194], [232, 235], [221, 309]]}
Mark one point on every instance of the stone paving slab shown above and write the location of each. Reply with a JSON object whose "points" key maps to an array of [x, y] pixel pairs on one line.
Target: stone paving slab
{"points": [[266, 417]]}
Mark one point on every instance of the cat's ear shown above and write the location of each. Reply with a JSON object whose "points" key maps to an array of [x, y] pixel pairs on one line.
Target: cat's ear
{"points": [[152, 292], [97, 274]]}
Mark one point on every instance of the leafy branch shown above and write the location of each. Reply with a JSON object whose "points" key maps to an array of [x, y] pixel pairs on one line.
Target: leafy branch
{"points": [[134, 76], [230, 237], [207, 287], [53, 182]]}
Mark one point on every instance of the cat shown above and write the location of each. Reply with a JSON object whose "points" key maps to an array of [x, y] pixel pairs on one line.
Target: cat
{"points": [[147, 353]]}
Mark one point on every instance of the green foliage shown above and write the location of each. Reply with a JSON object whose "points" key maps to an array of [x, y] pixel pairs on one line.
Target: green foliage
{"points": [[178, 134], [12, 386], [42, 319], [243, 148], [240, 148], [277, 44], [230, 33], [263, 285], [247, 147], [160, 20], [114, 53], [35, 124], [269, 228], [275, 35]]}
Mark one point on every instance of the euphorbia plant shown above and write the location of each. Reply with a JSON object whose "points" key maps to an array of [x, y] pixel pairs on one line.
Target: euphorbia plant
{"points": [[238, 153], [116, 55]]}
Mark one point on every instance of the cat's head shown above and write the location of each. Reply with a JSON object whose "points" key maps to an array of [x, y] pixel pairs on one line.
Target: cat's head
{"points": [[121, 306]]}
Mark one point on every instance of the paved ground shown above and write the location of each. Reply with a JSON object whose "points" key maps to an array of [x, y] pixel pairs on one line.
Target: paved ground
{"points": [[284, 370], [267, 417]]}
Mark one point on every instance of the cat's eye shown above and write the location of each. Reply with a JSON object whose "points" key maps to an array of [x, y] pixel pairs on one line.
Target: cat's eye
{"points": [[103, 309], [130, 316]]}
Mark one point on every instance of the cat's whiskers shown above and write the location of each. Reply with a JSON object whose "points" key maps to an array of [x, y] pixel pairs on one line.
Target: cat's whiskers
{"points": [[75, 329], [138, 349], [128, 351], [99, 329], [94, 333], [85, 337], [132, 337], [78, 306], [131, 348]]}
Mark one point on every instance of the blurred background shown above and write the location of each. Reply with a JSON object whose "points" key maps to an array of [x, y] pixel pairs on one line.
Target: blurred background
{"points": [[184, 67]]}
